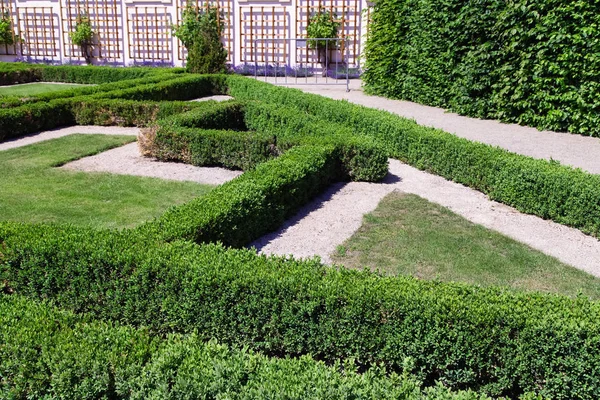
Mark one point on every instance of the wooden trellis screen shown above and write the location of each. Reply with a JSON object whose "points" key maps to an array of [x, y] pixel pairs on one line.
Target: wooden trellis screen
{"points": [[138, 31], [225, 10], [268, 25], [149, 32], [346, 12], [104, 16], [38, 30]]}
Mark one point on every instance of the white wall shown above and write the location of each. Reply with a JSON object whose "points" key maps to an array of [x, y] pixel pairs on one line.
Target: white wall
{"points": [[132, 31]]}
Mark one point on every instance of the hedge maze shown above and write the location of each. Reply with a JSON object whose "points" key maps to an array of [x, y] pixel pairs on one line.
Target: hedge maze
{"points": [[135, 313]]}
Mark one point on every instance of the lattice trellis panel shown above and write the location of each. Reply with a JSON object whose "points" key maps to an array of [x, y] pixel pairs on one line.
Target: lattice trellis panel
{"points": [[262, 30], [149, 31], [7, 9], [346, 12], [39, 31], [225, 9], [105, 17]]}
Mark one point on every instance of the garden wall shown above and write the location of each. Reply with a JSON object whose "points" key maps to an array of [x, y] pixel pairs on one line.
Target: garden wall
{"points": [[535, 62], [139, 32]]}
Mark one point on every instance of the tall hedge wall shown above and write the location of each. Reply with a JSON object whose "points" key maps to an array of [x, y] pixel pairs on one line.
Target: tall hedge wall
{"points": [[533, 62]]}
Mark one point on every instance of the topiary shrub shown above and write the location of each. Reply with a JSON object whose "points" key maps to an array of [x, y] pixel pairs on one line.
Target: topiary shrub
{"points": [[7, 34], [83, 36], [322, 26], [200, 33]]}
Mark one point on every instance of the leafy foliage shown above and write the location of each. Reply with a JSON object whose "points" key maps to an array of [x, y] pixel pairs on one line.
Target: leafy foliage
{"points": [[7, 34], [48, 353], [322, 25], [531, 62], [83, 36], [496, 341], [200, 33]]}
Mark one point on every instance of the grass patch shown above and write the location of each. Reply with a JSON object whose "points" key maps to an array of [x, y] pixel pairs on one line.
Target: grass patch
{"points": [[32, 190], [31, 89], [409, 235]]}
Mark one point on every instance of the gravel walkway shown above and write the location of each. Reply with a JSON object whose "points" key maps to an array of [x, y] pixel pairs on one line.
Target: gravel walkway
{"points": [[575, 150], [126, 160], [60, 132], [332, 218]]}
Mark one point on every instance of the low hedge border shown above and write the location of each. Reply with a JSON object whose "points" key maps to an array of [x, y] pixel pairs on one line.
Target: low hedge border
{"points": [[253, 204], [15, 101], [14, 73], [501, 343], [543, 188], [48, 353], [192, 137], [495, 341]]}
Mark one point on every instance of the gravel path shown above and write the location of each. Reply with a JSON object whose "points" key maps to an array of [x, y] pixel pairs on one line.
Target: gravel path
{"points": [[333, 217], [575, 150], [60, 132], [126, 160]]}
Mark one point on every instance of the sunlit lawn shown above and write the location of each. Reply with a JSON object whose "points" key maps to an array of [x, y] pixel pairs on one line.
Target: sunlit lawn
{"points": [[30, 89], [409, 235], [32, 190]]}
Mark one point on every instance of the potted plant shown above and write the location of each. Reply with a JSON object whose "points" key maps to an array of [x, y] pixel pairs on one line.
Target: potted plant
{"points": [[321, 26], [83, 36], [7, 35], [200, 33]]}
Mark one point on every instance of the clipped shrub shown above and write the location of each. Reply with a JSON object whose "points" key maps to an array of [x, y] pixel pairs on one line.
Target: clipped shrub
{"points": [[30, 118], [253, 204], [12, 73], [492, 340], [552, 191], [200, 33], [48, 353]]}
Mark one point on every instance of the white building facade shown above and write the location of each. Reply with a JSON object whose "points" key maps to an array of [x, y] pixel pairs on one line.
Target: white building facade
{"points": [[131, 32]]}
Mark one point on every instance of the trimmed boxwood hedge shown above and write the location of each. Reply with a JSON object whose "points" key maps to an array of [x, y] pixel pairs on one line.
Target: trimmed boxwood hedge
{"points": [[493, 340], [533, 62], [496, 341], [14, 73], [543, 188], [48, 353]]}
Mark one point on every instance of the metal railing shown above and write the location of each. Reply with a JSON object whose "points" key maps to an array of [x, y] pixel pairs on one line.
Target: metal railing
{"points": [[303, 61]]}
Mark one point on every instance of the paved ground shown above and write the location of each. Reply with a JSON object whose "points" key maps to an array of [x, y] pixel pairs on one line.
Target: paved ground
{"points": [[575, 150], [336, 214], [127, 160]]}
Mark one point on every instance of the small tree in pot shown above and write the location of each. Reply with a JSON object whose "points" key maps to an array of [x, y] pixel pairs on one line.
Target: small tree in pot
{"points": [[200, 33], [322, 26], [7, 34], [83, 36]]}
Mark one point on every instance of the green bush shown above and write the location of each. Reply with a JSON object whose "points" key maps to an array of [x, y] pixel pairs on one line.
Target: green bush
{"points": [[30, 118], [200, 33], [529, 62], [11, 73], [116, 112], [187, 87], [97, 75], [275, 130], [253, 204], [48, 353], [492, 340], [552, 191]]}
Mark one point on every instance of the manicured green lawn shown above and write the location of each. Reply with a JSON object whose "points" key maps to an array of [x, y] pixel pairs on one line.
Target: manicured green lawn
{"points": [[30, 89], [409, 235], [31, 190]]}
